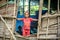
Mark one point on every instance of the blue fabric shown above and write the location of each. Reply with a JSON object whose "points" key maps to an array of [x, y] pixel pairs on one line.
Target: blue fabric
{"points": [[19, 24]]}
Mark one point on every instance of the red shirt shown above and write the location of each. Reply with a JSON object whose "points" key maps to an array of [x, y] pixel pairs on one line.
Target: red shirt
{"points": [[27, 22]]}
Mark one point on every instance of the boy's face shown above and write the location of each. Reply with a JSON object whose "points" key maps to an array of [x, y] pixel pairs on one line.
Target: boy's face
{"points": [[26, 15]]}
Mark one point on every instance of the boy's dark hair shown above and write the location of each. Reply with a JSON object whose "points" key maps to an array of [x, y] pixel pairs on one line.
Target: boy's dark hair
{"points": [[26, 12]]}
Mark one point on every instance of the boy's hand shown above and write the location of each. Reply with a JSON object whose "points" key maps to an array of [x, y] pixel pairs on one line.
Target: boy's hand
{"points": [[0, 16], [35, 19]]}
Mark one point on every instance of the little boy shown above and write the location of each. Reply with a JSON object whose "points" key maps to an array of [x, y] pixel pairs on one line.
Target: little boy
{"points": [[27, 21]]}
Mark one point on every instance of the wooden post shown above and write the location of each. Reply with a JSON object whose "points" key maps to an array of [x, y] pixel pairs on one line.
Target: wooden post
{"points": [[47, 27], [39, 20], [14, 20], [15, 12], [4, 26], [13, 25], [48, 17], [58, 20], [17, 7], [14, 7], [6, 6]]}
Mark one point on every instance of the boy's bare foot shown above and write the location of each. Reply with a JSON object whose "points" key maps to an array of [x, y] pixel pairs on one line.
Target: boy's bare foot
{"points": [[28, 36]]}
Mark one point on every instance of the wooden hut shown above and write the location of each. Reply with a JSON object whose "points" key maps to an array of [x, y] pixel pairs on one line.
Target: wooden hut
{"points": [[47, 29]]}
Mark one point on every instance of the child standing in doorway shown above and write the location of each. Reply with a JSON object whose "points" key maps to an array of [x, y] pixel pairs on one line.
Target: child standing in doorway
{"points": [[27, 21]]}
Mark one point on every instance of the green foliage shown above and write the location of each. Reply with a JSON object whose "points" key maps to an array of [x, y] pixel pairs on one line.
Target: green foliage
{"points": [[33, 9]]}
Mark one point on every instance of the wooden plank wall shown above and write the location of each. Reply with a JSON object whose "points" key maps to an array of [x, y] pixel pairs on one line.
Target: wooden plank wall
{"points": [[8, 12], [49, 21]]}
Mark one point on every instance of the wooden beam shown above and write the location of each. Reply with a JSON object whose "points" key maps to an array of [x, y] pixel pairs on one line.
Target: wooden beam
{"points": [[7, 16], [39, 20], [51, 16]]}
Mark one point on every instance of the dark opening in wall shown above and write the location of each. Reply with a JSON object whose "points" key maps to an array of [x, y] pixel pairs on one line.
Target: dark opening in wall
{"points": [[54, 4], [10, 0], [0, 0]]}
